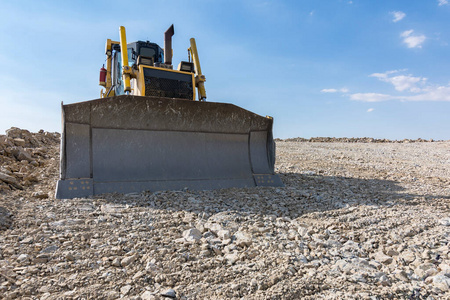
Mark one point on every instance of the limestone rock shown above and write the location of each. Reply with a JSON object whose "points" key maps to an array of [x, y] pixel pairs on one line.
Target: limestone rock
{"points": [[147, 295], [192, 235], [383, 258], [243, 239], [128, 260], [170, 293], [442, 282]]}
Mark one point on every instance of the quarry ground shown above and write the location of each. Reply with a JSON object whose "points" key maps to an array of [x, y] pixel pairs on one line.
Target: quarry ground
{"points": [[354, 221]]}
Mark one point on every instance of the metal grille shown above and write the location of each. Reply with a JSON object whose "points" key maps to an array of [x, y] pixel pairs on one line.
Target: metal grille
{"points": [[163, 87]]}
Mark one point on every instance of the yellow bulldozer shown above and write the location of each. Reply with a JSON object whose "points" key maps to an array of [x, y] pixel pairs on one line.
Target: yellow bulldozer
{"points": [[148, 131]]}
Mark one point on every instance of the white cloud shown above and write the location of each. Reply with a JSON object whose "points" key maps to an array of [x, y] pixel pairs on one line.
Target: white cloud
{"points": [[432, 93], [370, 97], [370, 110], [329, 90], [408, 84], [342, 90], [442, 2], [411, 40], [401, 82], [398, 15], [311, 13]]}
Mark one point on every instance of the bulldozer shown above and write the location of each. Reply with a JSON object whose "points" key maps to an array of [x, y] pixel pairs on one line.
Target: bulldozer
{"points": [[152, 129]]}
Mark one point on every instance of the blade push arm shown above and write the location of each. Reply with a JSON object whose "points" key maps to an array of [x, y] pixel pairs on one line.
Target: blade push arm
{"points": [[126, 70], [200, 78]]}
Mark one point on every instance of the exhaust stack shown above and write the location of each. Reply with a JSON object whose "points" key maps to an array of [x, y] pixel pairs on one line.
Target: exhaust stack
{"points": [[168, 45]]}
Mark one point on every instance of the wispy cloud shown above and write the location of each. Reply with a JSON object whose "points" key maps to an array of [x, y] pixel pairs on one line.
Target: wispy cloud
{"points": [[329, 91], [342, 90], [371, 97], [398, 15], [413, 40], [370, 110], [418, 86], [442, 2], [401, 82]]}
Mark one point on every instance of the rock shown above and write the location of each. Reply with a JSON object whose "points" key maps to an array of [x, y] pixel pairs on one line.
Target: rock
{"points": [[445, 221], [11, 180], [112, 208], [392, 252], [50, 249], [358, 278], [408, 256], [23, 258], [112, 295], [41, 258], [425, 270], [125, 289], [442, 282], [147, 295], [383, 258], [138, 275], [27, 240], [355, 265], [19, 142], [5, 219], [21, 154], [384, 280], [40, 195], [116, 262], [192, 235], [170, 293], [401, 275], [243, 239], [224, 234], [232, 258], [213, 227], [128, 260], [70, 257]]}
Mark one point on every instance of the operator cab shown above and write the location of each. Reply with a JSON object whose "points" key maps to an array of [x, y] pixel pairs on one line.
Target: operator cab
{"points": [[139, 53], [145, 53]]}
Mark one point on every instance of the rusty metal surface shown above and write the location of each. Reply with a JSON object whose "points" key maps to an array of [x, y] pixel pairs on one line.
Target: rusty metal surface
{"points": [[132, 143]]}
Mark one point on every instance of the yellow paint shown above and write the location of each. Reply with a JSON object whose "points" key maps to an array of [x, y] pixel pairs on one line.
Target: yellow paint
{"points": [[126, 70], [200, 78]]}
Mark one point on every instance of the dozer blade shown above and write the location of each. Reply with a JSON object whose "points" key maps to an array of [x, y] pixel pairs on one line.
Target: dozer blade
{"points": [[131, 144]]}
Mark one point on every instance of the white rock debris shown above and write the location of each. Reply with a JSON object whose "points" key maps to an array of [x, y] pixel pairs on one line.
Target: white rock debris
{"points": [[357, 219]]}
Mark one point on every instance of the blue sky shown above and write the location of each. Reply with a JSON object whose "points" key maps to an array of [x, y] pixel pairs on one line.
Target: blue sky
{"points": [[320, 68]]}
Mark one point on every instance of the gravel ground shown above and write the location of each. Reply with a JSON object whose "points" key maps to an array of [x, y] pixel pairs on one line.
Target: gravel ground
{"points": [[354, 221]]}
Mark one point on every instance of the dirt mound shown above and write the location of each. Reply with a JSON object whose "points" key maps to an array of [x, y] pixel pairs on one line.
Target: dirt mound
{"points": [[29, 168], [25, 157]]}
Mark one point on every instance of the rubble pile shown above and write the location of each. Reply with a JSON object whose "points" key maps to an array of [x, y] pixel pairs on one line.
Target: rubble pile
{"points": [[354, 221], [25, 157]]}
